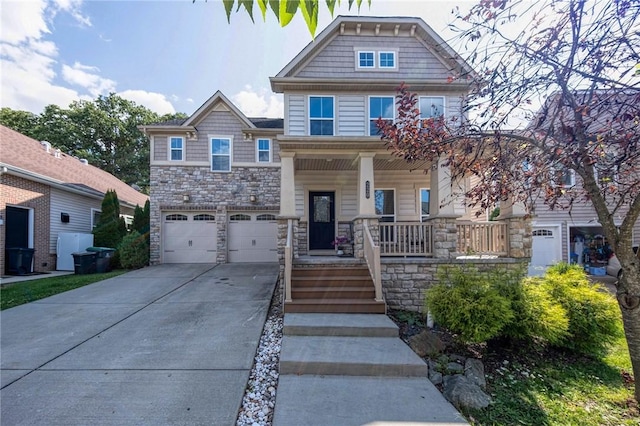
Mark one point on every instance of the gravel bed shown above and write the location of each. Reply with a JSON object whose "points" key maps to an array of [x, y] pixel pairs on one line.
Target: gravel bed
{"points": [[260, 396]]}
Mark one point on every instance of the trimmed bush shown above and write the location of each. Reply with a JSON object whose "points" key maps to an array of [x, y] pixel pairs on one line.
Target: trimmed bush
{"points": [[594, 317], [467, 304], [134, 251]]}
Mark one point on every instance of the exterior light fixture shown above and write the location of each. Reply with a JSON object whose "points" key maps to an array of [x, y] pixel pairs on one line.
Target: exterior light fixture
{"points": [[253, 198], [186, 198]]}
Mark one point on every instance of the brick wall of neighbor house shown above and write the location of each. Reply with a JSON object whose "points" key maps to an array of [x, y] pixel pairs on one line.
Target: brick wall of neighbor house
{"points": [[405, 281], [209, 191], [21, 192]]}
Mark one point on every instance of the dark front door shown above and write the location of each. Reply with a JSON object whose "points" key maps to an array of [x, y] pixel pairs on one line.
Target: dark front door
{"points": [[17, 228], [322, 218]]}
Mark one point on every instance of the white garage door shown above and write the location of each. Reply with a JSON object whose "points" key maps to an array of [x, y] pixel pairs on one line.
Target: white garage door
{"points": [[253, 237], [545, 250], [189, 237]]}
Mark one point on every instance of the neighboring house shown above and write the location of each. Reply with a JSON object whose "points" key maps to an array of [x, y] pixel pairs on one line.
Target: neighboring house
{"points": [[227, 188], [576, 235], [44, 192]]}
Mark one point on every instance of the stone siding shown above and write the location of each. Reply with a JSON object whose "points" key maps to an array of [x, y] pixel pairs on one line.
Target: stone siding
{"points": [[405, 281], [212, 192]]}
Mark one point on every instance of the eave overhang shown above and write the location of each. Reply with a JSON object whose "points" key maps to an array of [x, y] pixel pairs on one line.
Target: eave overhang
{"points": [[286, 84]]}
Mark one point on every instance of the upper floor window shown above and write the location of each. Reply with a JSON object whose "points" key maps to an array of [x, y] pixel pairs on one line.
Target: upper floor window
{"points": [[366, 60], [387, 59], [321, 115], [564, 177], [431, 106], [263, 150], [220, 154], [379, 107], [176, 148]]}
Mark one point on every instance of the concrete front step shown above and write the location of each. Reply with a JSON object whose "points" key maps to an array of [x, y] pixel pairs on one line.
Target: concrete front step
{"points": [[341, 306], [366, 293], [350, 356], [345, 325]]}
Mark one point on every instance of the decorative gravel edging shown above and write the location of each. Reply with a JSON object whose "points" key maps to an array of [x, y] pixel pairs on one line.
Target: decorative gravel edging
{"points": [[260, 396]]}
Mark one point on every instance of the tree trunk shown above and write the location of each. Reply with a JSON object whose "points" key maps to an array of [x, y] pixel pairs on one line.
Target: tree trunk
{"points": [[629, 302]]}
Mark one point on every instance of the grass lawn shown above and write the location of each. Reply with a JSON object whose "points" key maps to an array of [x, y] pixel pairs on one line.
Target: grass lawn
{"points": [[28, 291]]}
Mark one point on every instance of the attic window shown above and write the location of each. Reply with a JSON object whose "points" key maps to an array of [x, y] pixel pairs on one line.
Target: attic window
{"points": [[366, 59], [387, 60]]}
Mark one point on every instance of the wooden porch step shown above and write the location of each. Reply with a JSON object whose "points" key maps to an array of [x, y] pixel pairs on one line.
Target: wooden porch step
{"points": [[342, 306], [332, 281], [330, 271], [333, 292]]}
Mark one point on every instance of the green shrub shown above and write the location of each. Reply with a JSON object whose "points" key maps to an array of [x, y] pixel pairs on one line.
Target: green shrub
{"points": [[466, 303], [594, 318], [134, 251]]}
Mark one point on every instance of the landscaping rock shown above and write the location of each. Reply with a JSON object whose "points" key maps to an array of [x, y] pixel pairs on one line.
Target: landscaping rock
{"points": [[458, 358], [426, 344], [474, 372], [435, 377], [462, 393], [455, 368]]}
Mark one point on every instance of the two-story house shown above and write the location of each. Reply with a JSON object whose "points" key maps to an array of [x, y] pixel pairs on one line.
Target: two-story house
{"points": [[228, 188]]}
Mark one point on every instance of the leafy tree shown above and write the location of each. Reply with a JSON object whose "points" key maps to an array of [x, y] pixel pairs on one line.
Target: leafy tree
{"points": [[285, 10], [20, 121], [110, 227], [577, 59]]}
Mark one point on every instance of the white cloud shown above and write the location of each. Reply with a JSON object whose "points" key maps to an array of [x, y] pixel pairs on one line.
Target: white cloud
{"points": [[88, 78], [262, 103], [154, 101], [22, 20], [73, 8]]}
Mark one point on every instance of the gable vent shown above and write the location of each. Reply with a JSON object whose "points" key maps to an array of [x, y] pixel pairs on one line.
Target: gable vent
{"points": [[57, 154], [46, 145]]}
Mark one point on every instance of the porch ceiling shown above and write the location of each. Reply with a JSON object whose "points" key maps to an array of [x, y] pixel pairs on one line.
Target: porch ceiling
{"points": [[384, 162]]}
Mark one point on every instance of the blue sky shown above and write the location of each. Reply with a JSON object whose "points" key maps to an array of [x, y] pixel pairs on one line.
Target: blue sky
{"points": [[169, 56]]}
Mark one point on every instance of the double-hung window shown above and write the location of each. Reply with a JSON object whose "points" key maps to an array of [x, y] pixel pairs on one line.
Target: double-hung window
{"points": [[564, 177], [431, 106], [380, 107], [321, 115], [220, 154], [263, 150], [425, 196], [366, 60], [385, 204], [176, 148], [387, 59]]}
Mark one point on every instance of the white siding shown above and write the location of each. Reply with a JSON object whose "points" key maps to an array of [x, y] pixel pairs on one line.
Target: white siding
{"points": [[79, 209], [351, 116], [296, 115]]}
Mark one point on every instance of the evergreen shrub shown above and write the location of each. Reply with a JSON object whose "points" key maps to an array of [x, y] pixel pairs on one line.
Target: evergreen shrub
{"points": [[134, 251]]}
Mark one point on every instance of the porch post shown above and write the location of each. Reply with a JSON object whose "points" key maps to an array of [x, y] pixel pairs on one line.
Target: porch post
{"points": [[519, 228], [287, 184], [366, 205], [442, 212]]}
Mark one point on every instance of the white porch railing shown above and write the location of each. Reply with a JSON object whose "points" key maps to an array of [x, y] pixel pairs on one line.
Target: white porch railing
{"points": [[406, 239], [372, 257], [483, 238], [288, 261]]}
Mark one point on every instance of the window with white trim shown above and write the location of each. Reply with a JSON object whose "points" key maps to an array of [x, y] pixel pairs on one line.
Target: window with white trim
{"points": [[220, 154], [176, 148], [321, 115], [564, 177], [425, 196], [431, 106], [380, 107], [263, 150], [366, 59], [387, 60], [384, 200], [95, 217]]}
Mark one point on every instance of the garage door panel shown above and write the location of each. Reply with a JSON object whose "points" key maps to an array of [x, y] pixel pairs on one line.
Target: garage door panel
{"points": [[189, 241], [253, 240], [545, 249]]}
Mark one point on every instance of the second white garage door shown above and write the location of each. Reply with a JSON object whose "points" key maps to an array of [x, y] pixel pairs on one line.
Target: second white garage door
{"points": [[189, 237], [253, 237], [545, 250]]}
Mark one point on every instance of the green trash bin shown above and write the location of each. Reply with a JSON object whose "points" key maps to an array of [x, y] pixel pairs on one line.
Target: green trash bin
{"points": [[103, 258], [84, 263]]}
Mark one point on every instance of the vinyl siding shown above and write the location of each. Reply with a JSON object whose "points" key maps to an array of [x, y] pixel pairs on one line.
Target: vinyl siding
{"points": [[337, 59], [79, 210], [160, 148], [351, 115], [296, 117]]}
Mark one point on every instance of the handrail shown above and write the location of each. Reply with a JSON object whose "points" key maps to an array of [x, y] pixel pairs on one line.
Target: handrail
{"points": [[288, 261], [372, 257], [406, 239], [483, 237]]}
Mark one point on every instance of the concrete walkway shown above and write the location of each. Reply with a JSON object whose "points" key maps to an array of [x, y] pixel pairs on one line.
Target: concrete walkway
{"points": [[170, 344], [353, 370]]}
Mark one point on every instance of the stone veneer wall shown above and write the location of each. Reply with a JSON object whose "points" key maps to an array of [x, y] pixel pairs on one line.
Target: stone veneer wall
{"points": [[212, 192], [405, 281]]}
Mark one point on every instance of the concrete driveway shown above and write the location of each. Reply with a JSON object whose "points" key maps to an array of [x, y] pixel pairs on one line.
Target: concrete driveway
{"points": [[168, 344]]}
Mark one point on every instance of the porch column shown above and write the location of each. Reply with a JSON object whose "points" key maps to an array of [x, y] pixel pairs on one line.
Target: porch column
{"points": [[519, 229], [443, 212], [366, 205], [287, 184]]}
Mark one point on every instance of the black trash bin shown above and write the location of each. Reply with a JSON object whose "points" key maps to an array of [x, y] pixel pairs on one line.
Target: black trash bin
{"points": [[103, 258], [19, 260], [84, 263]]}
